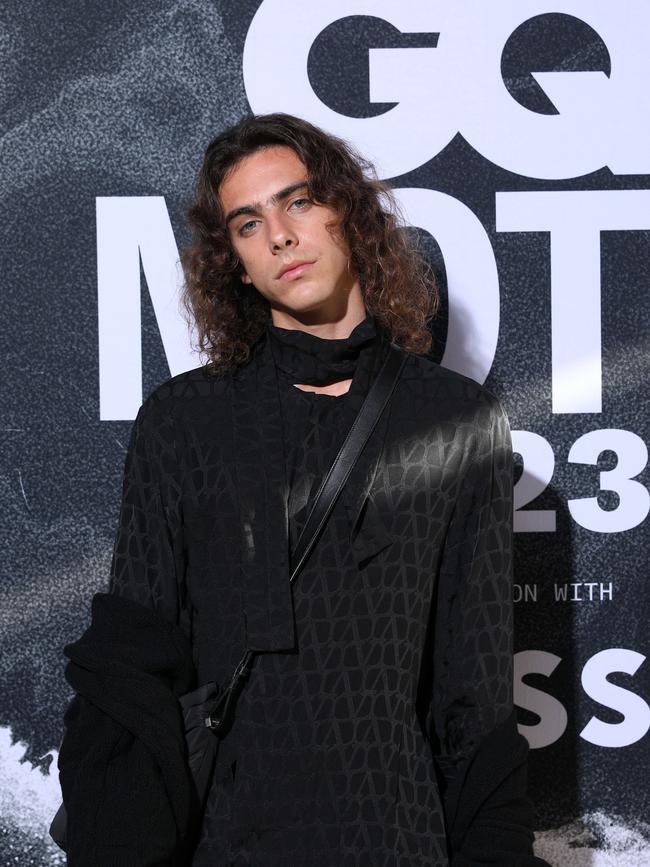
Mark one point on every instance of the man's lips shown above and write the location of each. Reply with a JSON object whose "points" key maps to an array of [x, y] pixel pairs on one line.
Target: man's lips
{"points": [[295, 269]]}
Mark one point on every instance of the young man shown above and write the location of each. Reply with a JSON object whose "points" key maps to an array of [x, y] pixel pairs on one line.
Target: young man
{"points": [[377, 725]]}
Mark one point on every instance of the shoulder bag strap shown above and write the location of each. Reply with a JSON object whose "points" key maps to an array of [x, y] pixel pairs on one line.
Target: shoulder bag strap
{"points": [[358, 435]]}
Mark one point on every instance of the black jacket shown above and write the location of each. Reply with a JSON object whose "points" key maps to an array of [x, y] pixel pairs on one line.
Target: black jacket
{"points": [[127, 791], [202, 541]]}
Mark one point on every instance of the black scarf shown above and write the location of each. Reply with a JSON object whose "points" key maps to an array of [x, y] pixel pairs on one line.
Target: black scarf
{"points": [[258, 441], [312, 360]]}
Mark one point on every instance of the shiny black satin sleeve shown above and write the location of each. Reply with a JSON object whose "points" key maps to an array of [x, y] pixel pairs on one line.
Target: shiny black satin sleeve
{"points": [[112, 781], [148, 558], [478, 750]]}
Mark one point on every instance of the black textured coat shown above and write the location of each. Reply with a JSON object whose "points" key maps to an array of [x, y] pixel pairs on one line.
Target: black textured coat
{"points": [[426, 519]]}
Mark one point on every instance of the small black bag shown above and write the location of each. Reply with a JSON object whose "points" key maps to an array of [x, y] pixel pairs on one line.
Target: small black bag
{"points": [[208, 711]]}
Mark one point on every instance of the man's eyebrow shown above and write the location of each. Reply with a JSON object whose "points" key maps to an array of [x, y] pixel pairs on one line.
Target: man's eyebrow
{"points": [[256, 207]]}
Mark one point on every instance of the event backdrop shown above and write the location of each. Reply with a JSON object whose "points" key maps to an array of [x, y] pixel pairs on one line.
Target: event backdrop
{"points": [[517, 134]]}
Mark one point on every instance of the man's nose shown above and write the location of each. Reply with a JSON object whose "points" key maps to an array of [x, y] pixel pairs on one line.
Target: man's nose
{"points": [[281, 234]]}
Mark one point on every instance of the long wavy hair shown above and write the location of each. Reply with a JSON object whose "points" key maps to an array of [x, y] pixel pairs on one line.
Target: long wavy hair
{"points": [[396, 281]]}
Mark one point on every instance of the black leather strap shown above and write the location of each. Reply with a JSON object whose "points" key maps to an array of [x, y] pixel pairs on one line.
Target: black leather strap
{"points": [[220, 718], [358, 435]]}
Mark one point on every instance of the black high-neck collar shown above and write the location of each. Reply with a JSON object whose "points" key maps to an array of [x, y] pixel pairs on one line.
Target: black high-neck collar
{"points": [[312, 360]]}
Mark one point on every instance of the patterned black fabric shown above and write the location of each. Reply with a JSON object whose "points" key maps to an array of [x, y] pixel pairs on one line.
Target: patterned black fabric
{"points": [[391, 662], [315, 360], [316, 742], [123, 768]]}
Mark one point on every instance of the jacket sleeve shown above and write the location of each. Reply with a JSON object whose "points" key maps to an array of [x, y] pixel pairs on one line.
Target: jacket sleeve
{"points": [[478, 750], [148, 555], [103, 764]]}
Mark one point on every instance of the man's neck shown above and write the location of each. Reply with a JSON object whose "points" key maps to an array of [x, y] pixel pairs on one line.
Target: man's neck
{"points": [[334, 388]]}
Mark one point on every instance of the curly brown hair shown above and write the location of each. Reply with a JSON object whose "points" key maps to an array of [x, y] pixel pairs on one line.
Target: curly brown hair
{"points": [[396, 280]]}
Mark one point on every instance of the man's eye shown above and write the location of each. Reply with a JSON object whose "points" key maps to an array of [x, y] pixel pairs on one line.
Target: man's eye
{"points": [[300, 203], [247, 227]]}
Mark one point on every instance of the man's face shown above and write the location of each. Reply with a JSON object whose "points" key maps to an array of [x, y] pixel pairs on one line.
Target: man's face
{"points": [[281, 239]]}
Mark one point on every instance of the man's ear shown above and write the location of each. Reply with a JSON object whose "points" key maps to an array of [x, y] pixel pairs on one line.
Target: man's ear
{"points": [[245, 278]]}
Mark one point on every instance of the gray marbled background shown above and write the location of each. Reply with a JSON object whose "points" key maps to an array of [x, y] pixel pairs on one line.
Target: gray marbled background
{"points": [[120, 99]]}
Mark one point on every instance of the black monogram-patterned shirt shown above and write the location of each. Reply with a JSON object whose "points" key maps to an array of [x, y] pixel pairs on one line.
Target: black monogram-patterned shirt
{"points": [[316, 745], [377, 725], [314, 740]]}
